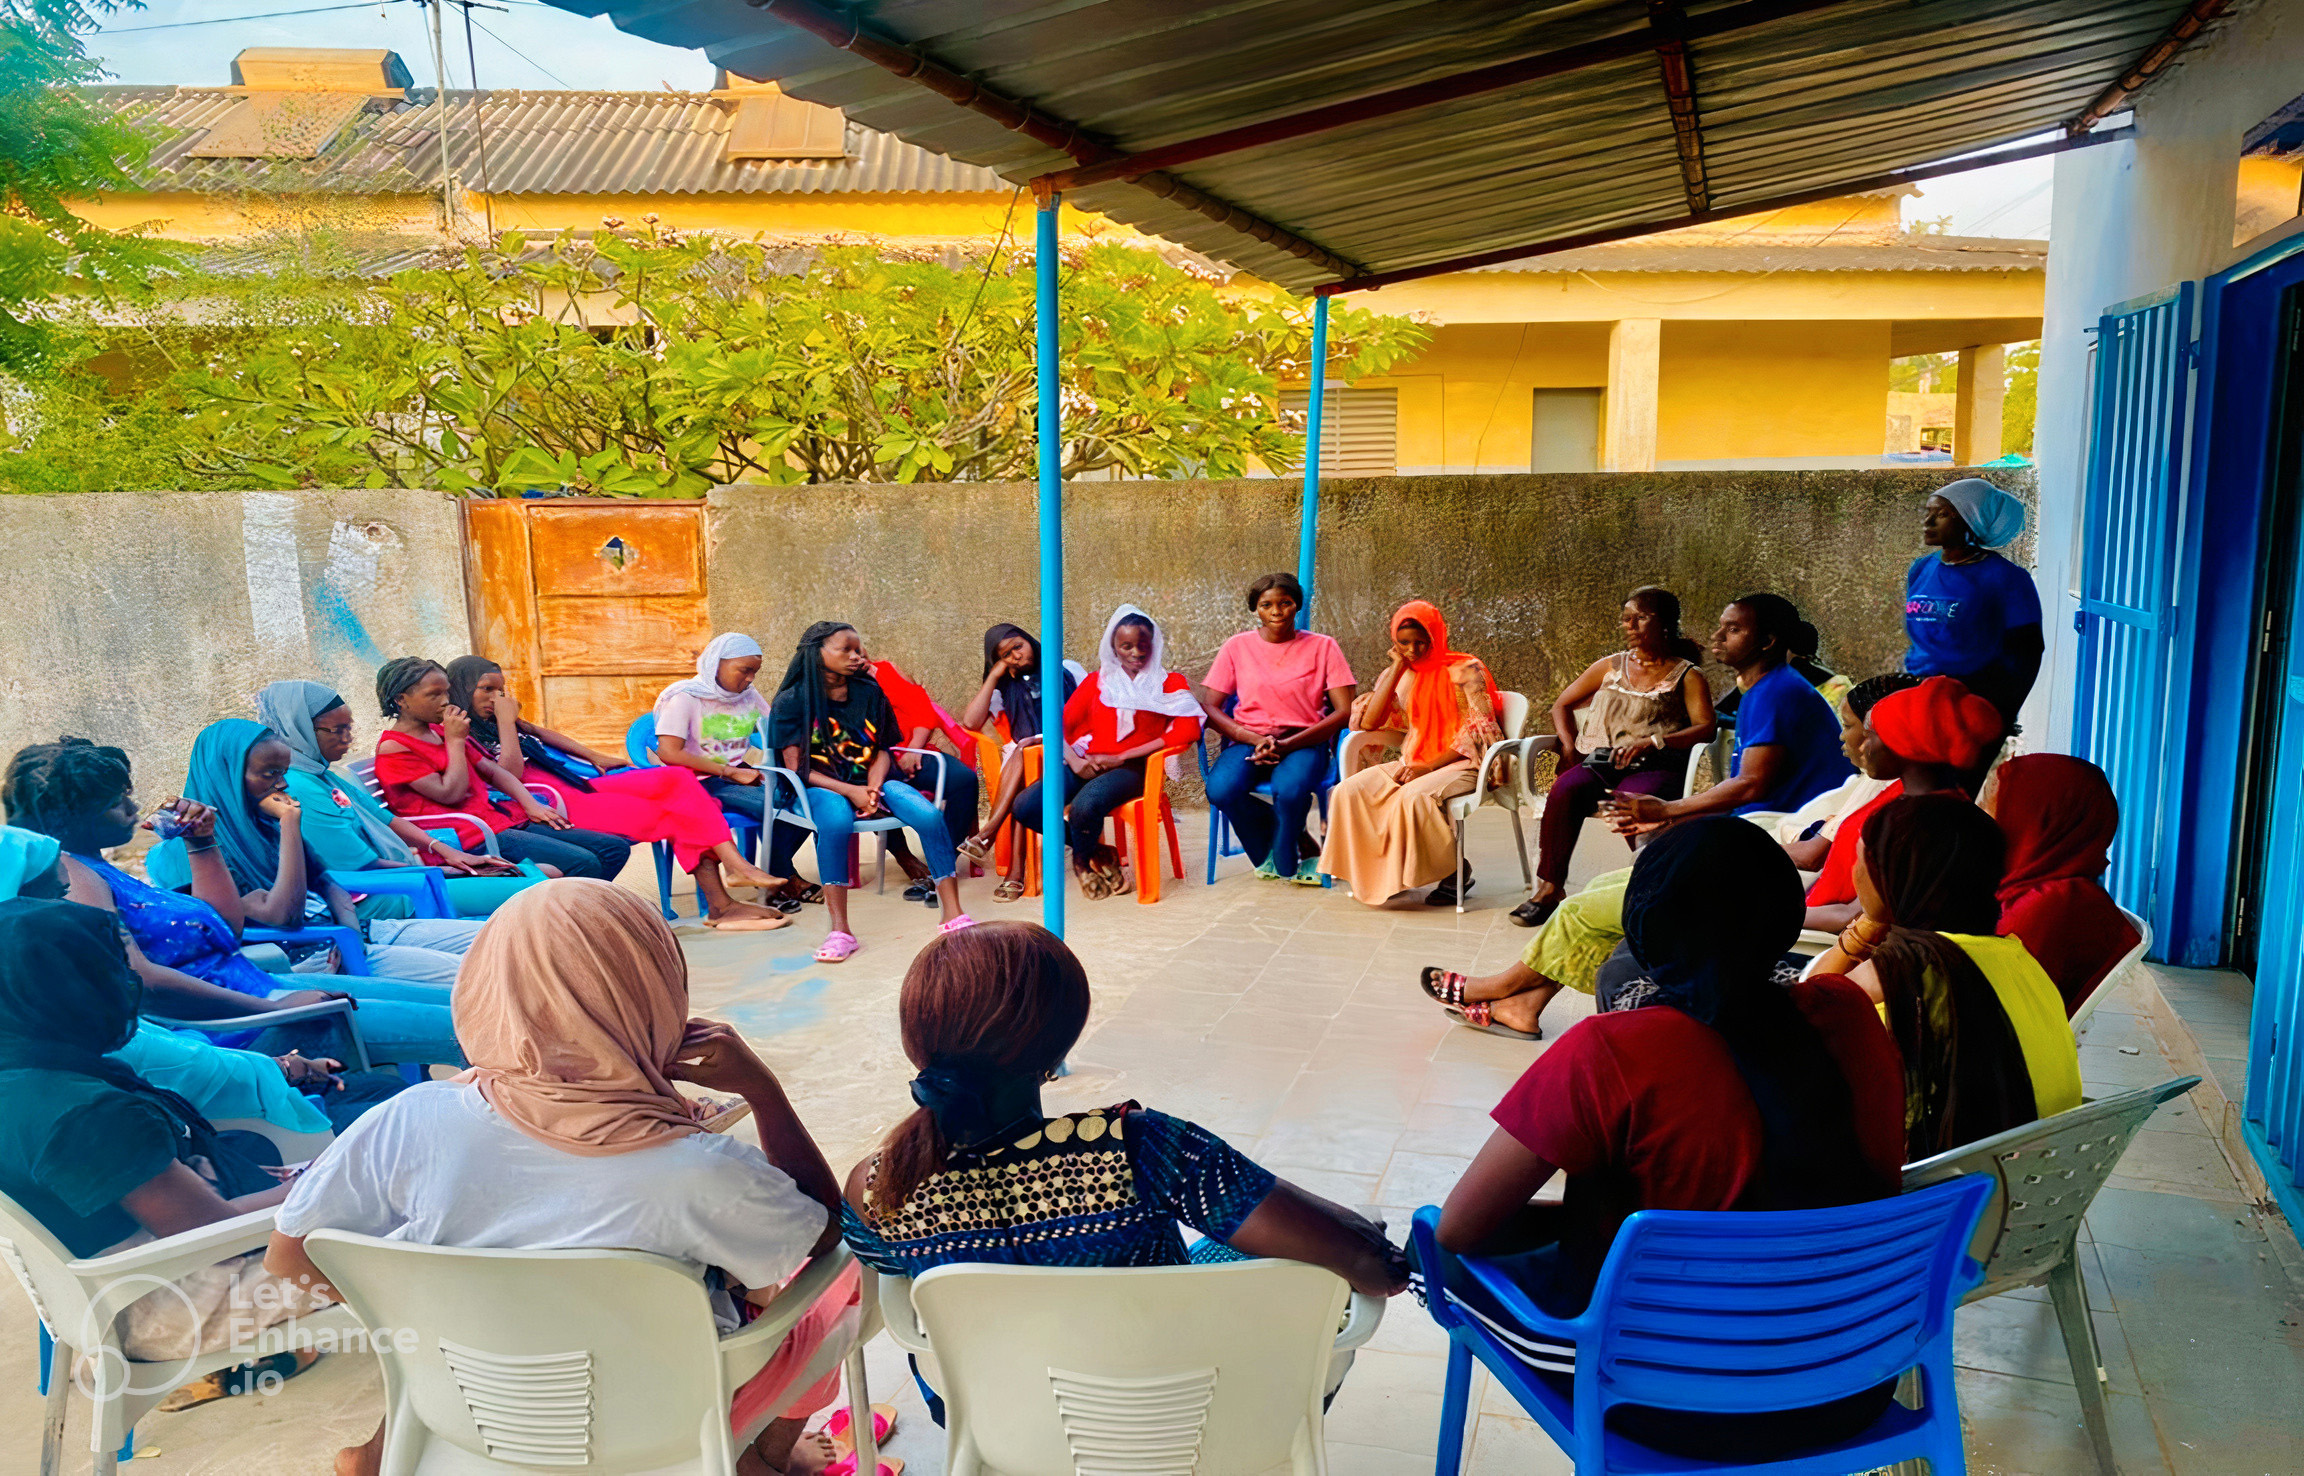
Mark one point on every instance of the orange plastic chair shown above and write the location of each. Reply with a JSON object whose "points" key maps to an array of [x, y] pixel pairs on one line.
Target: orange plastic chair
{"points": [[989, 742], [1140, 816]]}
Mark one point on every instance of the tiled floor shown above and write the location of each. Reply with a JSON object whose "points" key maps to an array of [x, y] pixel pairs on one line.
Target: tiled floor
{"points": [[1288, 1020]]}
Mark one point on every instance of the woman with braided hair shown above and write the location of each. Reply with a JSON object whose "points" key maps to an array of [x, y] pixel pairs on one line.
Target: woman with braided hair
{"points": [[1980, 1024], [429, 765], [832, 725]]}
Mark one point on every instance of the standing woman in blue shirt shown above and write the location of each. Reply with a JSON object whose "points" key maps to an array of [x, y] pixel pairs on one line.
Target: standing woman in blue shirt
{"points": [[1971, 613]]}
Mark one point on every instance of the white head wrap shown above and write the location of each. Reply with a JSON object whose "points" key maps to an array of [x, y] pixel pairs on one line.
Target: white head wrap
{"points": [[1994, 516], [1145, 691], [706, 683]]}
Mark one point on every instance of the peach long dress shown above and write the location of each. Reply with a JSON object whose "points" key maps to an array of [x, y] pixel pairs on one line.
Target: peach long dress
{"points": [[1385, 837]]}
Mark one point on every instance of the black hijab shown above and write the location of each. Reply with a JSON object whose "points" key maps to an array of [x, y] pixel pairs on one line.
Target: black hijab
{"points": [[1713, 904]]}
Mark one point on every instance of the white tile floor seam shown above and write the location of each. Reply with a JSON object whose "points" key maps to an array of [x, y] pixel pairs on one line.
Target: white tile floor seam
{"points": [[1288, 1020]]}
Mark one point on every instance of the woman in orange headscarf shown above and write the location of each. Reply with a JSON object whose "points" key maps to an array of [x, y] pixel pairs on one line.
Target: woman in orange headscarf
{"points": [[1388, 826]]}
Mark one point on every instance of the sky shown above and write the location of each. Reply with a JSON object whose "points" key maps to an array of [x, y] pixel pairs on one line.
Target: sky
{"points": [[525, 43]]}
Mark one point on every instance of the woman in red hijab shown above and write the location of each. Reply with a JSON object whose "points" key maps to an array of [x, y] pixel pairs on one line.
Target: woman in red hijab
{"points": [[2059, 815], [1388, 826]]}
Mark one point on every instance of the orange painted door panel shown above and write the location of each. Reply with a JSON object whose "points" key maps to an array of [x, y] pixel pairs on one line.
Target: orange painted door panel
{"points": [[590, 606]]}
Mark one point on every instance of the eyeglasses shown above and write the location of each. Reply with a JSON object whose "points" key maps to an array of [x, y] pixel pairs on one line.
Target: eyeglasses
{"points": [[333, 730]]}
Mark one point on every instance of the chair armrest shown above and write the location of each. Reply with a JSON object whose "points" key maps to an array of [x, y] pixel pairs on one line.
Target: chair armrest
{"points": [[899, 1317], [1349, 746], [1813, 941], [745, 1352], [938, 796], [290, 1016], [798, 814], [1156, 778], [421, 885], [1360, 1323], [1517, 749], [450, 819], [349, 946], [550, 795], [122, 1277]]}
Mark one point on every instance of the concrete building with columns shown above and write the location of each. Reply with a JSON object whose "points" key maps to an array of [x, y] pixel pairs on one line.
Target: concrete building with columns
{"points": [[1762, 342]]}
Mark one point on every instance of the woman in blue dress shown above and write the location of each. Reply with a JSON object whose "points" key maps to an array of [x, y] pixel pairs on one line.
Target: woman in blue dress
{"points": [[1971, 613]]}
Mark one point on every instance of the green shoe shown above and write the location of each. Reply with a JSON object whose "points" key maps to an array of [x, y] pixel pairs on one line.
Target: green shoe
{"points": [[1264, 870], [1308, 872]]}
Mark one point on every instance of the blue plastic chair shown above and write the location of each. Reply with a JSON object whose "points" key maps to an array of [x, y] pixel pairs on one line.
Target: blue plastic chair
{"points": [[1221, 842], [424, 887], [640, 748], [349, 946], [1731, 1313]]}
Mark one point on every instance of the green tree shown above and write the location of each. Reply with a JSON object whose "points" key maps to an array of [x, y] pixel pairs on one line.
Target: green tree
{"points": [[660, 365], [55, 147], [2021, 407]]}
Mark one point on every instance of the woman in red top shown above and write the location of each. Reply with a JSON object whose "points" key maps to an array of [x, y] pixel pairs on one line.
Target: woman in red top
{"points": [[921, 764], [429, 765], [2059, 815], [1112, 728]]}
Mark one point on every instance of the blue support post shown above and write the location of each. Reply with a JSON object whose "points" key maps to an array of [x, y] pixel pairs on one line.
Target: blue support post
{"points": [[1045, 266], [1315, 407]]}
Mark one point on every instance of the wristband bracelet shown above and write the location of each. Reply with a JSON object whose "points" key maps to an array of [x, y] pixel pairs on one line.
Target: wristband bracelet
{"points": [[1861, 946], [196, 845]]}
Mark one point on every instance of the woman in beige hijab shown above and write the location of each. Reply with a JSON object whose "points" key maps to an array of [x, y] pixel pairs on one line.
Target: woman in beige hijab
{"points": [[573, 1010]]}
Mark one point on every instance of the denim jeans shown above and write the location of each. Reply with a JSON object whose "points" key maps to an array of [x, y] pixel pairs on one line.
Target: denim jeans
{"points": [[1275, 830], [751, 801], [575, 852], [401, 1022], [424, 950], [836, 826]]}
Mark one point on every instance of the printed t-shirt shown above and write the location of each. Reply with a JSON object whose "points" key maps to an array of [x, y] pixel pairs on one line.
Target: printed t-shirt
{"points": [[1781, 709], [1101, 1188], [847, 733], [1281, 684], [403, 758], [1836, 882], [1644, 1109], [1957, 615], [1088, 716], [720, 727], [72, 1147], [436, 1165]]}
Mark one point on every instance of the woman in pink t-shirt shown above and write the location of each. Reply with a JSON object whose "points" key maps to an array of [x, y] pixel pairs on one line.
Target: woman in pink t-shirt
{"points": [[1289, 693]]}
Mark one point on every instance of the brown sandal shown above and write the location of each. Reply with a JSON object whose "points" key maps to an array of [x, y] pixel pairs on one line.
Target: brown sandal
{"points": [[1445, 986], [1011, 889]]}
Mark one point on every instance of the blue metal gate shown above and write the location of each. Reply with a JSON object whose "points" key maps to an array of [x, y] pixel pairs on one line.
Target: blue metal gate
{"points": [[2276, 1030], [2128, 564]]}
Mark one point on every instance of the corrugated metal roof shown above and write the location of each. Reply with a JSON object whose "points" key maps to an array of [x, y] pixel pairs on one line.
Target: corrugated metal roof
{"points": [[1827, 97], [1916, 254], [551, 143]]}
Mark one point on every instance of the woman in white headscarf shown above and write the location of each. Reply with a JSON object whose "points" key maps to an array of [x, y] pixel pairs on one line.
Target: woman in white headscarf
{"points": [[1971, 613], [710, 723], [1130, 709]]}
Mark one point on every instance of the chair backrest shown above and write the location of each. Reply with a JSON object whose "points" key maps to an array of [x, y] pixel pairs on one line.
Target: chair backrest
{"points": [[2044, 1175], [1514, 718], [364, 770], [2118, 974], [604, 1359], [1712, 757], [1717, 1312], [42, 1265], [640, 741], [1207, 1370]]}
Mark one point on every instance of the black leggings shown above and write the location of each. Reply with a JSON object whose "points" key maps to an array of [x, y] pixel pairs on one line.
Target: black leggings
{"points": [[1087, 803], [576, 852]]}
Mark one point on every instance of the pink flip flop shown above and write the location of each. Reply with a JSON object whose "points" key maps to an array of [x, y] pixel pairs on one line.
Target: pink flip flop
{"points": [[954, 926], [838, 948]]}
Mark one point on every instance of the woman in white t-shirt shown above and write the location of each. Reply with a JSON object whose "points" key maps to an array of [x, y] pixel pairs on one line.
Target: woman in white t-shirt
{"points": [[710, 723], [598, 1150]]}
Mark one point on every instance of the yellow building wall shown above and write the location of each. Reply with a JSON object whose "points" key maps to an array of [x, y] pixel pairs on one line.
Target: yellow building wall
{"points": [[1757, 389], [1466, 401]]}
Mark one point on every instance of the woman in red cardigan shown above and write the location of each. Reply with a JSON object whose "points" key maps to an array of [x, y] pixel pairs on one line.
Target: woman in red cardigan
{"points": [[1112, 729]]}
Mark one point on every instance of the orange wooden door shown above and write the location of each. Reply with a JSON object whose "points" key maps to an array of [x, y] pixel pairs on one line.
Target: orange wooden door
{"points": [[590, 605]]}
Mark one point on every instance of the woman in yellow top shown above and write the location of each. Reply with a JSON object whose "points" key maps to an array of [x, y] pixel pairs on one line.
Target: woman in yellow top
{"points": [[1980, 1024], [1388, 826]]}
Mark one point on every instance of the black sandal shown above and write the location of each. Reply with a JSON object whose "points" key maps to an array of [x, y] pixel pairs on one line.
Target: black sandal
{"points": [[1534, 914], [1445, 894]]}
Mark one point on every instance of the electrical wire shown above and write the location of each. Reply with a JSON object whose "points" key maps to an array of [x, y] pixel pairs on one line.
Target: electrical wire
{"points": [[225, 20], [524, 56]]}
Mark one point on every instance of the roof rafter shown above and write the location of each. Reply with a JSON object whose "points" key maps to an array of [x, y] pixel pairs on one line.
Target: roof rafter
{"points": [[1669, 20], [2155, 59], [1650, 227], [1619, 47], [844, 31]]}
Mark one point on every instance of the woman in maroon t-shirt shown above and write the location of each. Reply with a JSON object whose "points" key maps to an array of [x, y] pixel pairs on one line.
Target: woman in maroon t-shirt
{"points": [[1725, 1092]]}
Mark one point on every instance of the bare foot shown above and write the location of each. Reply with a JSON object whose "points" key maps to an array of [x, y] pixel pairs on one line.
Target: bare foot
{"points": [[743, 917], [748, 875], [362, 1460], [810, 1454], [1522, 1011]]}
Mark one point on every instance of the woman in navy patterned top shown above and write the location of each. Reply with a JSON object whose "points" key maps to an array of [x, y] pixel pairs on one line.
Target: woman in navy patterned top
{"points": [[979, 1173]]}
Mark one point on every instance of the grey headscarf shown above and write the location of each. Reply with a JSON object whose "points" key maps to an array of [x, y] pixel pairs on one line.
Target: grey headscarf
{"points": [[1994, 516], [288, 708]]}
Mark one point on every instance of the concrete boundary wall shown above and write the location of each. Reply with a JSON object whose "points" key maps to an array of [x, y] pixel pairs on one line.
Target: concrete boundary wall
{"points": [[137, 618]]}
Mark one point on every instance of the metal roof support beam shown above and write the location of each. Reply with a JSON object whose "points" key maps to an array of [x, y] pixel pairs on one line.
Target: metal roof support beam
{"points": [[1651, 227], [1426, 94], [839, 29], [2151, 64], [1669, 20]]}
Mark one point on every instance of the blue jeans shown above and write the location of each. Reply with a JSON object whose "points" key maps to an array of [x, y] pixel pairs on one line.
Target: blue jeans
{"points": [[751, 800], [1275, 830], [836, 827], [402, 1022]]}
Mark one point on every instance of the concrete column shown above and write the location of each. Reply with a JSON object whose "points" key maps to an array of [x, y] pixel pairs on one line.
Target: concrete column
{"points": [[1635, 350], [1976, 406]]}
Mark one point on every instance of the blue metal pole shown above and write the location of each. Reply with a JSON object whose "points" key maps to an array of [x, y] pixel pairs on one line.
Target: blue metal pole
{"points": [[1044, 268], [1316, 404]]}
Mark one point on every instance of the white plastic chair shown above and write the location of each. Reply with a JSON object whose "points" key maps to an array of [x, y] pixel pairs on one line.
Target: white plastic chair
{"points": [[1716, 755], [79, 1301], [457, 822], [797, 813], [594, 1360], [2130, 963], [1502, 779], [1208, 1370], [2048, 1174]]}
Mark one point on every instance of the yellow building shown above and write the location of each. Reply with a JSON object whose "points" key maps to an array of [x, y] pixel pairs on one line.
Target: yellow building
{"points": [[1759, 342]]}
